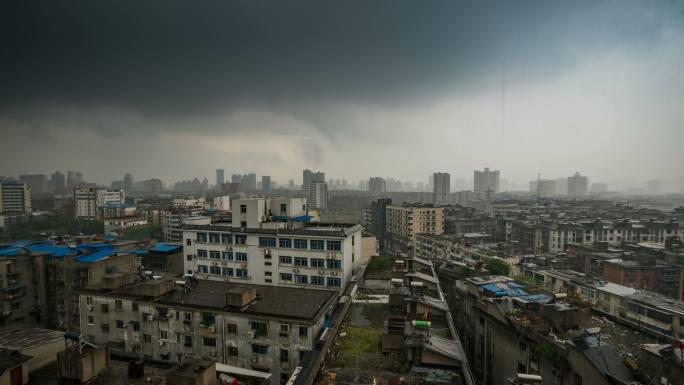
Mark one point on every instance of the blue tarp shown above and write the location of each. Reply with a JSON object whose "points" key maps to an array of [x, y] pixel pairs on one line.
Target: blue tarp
{"points": [[165, 248], [506, 291]]}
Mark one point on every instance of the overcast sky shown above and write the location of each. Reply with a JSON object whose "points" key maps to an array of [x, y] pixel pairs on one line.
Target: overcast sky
{"points": [[353, 88]]}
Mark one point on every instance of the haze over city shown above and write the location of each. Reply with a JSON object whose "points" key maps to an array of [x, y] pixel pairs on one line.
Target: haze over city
{"points": [[391, 88]]}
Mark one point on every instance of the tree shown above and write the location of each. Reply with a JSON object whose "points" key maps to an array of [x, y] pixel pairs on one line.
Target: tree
{"points": [[497, 267]]}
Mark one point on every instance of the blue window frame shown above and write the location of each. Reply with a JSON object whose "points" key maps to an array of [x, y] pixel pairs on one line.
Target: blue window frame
{"points": [[215, 254], [286, 277], [303, 331], [259, 349], [317, 262], [228, 271], [240, 239], [203, 268], [241, 273], [301, 244], [202, 254], [214, 238], [318, 281], [334, 282], [240, 257], [285, 243], [267, 242], [334, 263], [227, 239], [301, 278], [202, 237], [286, 259], [300, 261], [317, 244], [228, 255], [215, 270], [334, 245]]}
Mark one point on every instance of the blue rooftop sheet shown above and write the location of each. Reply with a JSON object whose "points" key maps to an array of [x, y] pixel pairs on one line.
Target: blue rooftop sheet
{"points": [[165, 248], [94, 257], [508, 291]]}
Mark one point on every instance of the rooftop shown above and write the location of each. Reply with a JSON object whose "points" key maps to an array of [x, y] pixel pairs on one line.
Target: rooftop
{"points": [[20, 339]]}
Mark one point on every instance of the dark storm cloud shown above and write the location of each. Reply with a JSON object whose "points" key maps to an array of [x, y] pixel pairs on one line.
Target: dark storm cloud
{"points": [[176, 58]]}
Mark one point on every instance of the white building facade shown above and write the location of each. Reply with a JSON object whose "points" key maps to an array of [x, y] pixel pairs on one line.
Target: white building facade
{"points": [[89, 200]]}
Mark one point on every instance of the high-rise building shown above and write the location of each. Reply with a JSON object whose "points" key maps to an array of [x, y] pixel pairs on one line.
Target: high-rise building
{"points": [[74, 179], [598, 188], [58, 182], [219, 178], [265, 183], [486, 181], [378, 219], [152, 186], [37, 183], [248, 182], [376, 185], [309, 176], [89, 200], [15, 196], [318, 195], [544, 187], [128, 183], [441, 187], [578, 185], [290, 184], [236, 178]]}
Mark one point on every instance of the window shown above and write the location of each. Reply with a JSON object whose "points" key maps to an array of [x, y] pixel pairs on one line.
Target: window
{"points": [[241, 239], [227, 239], [214, 254], [208, 318], [202, 237], [228, 271], [319, 281], [202, 254], [228, 255], [188, 341], [284, 328], [285, 259], [147, 338], [241, 273], [240, 257], [301, 279], [259, 349], [215, 270], [300, 244], [299, 261], [243, 209], [136, 326], [231, 328], [208, 341], [259, 327], [104, 308], [104, 328], [163, 334], [303, 331], [188, 242], [286, 277], [187, 316], [91, 320], [284, 354], [334, 264], [285, 243], [243, 223], [318, 263], [214, 238], [283, 207], [334, 282], [188, 257], [89, 300], [203, 268], [118, 304], [120, 324], [134, 305], [317, 244], [267, 242], [232, 351], [335, 245]]}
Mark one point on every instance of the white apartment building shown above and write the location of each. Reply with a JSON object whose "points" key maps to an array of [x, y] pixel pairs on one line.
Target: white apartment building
{"points": [[173, 219], [89, 200], [318, 195], [222, 203]]}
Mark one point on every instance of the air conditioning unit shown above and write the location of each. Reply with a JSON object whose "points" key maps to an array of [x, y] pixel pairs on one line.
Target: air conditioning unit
{"points": [[321, 271], [212, 329], [223, 263], [124, 326], [214, 263], [254, 360], [161, 343], [243, 265], [212, 353], [251, 334], [169, 315], [136, 337], [150, 318], [333, 273], [295, 270], [91, 307]]}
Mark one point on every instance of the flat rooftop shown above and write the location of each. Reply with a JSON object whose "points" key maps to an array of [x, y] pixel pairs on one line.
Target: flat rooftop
{"points": [[20, 339], [317, 228], [272, 301]]}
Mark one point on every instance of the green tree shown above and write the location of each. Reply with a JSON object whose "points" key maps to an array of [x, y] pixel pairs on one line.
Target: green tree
{"points": [[497, 267]]}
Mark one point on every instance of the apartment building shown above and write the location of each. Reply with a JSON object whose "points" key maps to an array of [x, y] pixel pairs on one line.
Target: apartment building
{"points": [[318, 195], [174, 218], [15, 197], [257, 327], [88, 201], [406, 221]]}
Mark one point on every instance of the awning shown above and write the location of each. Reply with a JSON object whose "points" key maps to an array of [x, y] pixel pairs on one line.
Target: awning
{"points": [[223, 368]]}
